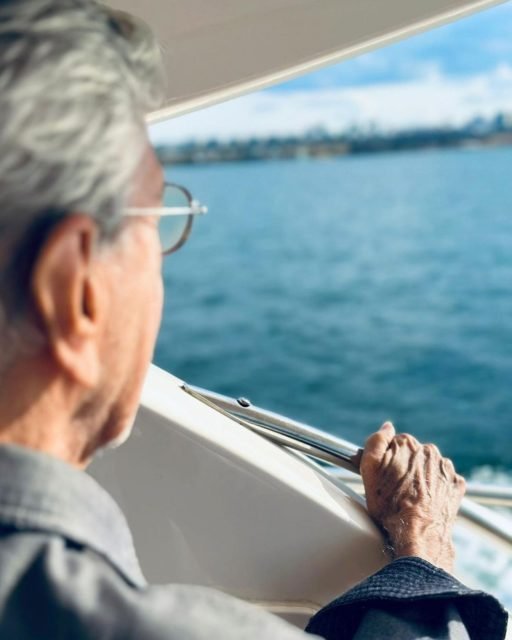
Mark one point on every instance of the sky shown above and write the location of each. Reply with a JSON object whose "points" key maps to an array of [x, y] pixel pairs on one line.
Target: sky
{"points": [[442, 77]]}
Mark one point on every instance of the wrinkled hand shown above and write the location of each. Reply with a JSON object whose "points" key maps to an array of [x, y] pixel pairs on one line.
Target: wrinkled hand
{"points": [[413, 493]]}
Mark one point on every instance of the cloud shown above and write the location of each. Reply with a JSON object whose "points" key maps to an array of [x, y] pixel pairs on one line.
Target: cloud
{"points": [[447, 75], [475, 44], [433, 99]]}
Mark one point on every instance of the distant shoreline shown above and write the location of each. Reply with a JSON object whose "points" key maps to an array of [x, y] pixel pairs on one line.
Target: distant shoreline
{"points": [[496, 132]]}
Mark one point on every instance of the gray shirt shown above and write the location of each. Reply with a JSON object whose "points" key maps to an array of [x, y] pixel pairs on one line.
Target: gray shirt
{"points": [[68, 569]]}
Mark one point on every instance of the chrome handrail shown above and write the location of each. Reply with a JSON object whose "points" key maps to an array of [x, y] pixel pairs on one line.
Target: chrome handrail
{"points": [[342, 453], [283, 430], [490, 494], [486, 494]]}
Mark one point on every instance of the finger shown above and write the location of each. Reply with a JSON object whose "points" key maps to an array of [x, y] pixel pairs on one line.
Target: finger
{"points": [[408, 440], [431, 459], [398, 459], [461, 484], [378, 443], [432, 450], [448, 468], [388, 456]]}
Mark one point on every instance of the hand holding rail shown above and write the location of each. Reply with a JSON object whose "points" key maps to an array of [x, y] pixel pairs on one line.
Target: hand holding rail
{"points": [[342, 453]]}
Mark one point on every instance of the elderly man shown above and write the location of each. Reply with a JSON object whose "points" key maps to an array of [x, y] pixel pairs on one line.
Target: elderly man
{"points": [[80, 304]]}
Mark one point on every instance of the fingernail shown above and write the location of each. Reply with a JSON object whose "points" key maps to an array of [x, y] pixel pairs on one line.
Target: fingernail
{"points": [[387, 425]]}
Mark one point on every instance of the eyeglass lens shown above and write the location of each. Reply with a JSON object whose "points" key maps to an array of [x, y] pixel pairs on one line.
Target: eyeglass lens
{"points": [[174, 229]]}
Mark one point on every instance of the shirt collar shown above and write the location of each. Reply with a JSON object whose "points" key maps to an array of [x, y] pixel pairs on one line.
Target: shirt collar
{"points": [[42, 493]]}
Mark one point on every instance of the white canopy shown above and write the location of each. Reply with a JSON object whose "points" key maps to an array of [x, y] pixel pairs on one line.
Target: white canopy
{"points": [[219, 49]]}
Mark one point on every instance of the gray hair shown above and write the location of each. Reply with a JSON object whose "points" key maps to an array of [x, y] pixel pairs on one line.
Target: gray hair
{"points": [[76, 79]]}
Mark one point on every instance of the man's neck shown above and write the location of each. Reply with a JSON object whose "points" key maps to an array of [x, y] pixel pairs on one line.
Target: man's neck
{"points": [[36, 411]]}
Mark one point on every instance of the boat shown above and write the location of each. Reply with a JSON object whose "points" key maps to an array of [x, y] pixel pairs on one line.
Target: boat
{"points": [[221, 493]]}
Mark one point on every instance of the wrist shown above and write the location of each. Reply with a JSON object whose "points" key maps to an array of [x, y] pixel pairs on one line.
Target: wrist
{"points": [[443, 559], [423, 539]]}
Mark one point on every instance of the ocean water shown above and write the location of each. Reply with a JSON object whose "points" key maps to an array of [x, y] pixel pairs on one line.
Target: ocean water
{"points": [[344, 292]]}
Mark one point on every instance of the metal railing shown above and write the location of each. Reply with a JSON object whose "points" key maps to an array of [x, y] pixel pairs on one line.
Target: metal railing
{"points": [[341, 453], [485, 494]]}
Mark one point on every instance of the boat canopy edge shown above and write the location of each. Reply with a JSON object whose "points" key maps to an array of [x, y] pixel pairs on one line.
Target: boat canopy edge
{"points": [[215, 51]]}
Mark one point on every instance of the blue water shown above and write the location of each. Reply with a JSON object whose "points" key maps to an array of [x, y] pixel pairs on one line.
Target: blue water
{"points": [[347, 291]]}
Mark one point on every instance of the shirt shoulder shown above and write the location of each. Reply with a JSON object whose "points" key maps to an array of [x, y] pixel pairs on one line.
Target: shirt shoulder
{"points": [[81, 596]]}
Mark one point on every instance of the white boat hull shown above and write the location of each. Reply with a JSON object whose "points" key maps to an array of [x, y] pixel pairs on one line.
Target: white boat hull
{"points": [[213, 504]]}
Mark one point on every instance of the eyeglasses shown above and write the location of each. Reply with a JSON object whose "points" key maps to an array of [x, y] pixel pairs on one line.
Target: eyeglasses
{"points": [[175, 217]]}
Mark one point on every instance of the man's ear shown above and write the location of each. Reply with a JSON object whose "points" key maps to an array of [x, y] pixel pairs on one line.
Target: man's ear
{"points": [[68, 299]]}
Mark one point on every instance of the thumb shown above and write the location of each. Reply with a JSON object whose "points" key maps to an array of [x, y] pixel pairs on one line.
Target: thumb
{"points": [[378, 443]]}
